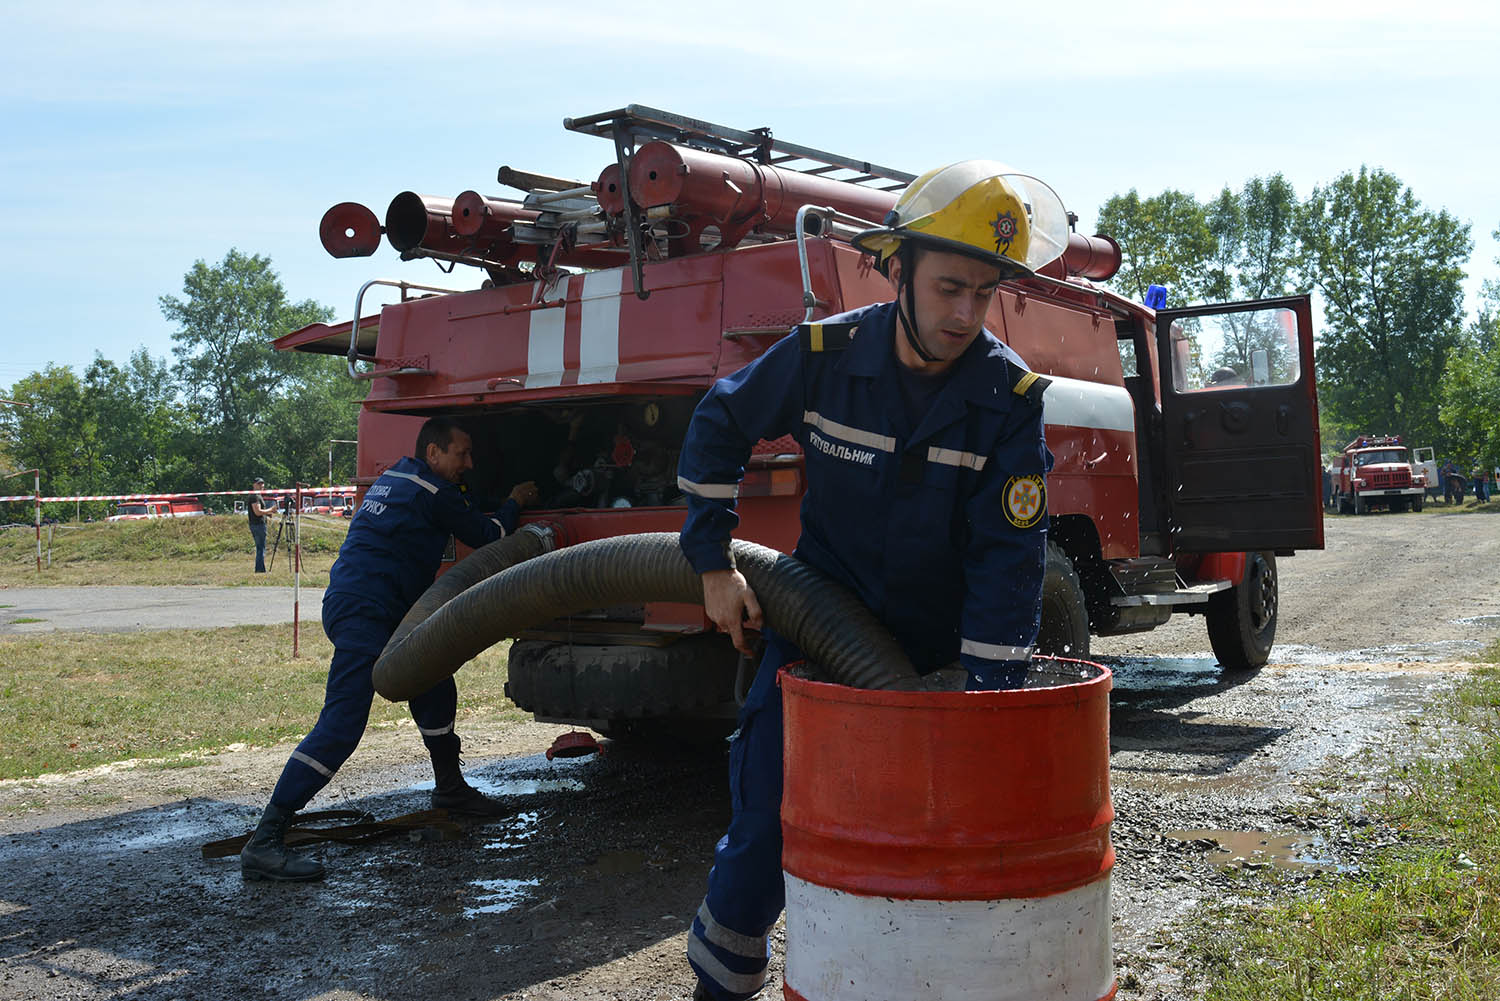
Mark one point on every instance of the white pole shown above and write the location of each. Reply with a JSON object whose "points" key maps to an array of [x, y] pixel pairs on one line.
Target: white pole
{"points": [[38, 519]]}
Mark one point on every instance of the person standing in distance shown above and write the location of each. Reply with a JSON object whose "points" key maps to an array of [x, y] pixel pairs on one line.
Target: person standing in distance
{"points": [[926, 495], [259, 511], [389, 558]]}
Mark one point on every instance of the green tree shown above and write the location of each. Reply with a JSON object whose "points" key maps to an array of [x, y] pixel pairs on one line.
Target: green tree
{"points": [[226, 319], [1255, 252], [319, 403], [137, 415], [55, 434], [1164, 240], [1390, 273], [1470, 408]]}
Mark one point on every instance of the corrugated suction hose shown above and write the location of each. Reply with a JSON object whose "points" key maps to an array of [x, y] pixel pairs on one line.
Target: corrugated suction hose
{"points": [[483, 563], [822, 617]]}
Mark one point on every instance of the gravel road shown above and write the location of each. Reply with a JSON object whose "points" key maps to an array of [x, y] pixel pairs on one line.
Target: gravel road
{"points": [[110, 609], [585, 890]]}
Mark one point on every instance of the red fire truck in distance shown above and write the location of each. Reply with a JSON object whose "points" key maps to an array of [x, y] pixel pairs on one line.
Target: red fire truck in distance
{"points": [[143, 508], [609, 307], [1376, 471]]}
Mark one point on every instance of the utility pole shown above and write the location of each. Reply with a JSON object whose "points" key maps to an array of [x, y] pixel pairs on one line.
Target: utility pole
{"points": [[332, 442]]}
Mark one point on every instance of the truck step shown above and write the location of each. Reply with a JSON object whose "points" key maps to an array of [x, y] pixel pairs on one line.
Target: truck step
{"points": [[1197, 594]]}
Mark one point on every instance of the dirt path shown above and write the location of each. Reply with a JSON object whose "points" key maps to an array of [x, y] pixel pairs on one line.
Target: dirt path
{"points": [[584, 892]]}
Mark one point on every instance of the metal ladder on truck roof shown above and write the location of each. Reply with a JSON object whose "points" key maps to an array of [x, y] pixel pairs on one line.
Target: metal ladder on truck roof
{"points": [[636, 124]]}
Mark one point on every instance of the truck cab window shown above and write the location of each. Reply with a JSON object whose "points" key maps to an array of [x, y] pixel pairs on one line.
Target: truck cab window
{"points": [[1235, 350]]}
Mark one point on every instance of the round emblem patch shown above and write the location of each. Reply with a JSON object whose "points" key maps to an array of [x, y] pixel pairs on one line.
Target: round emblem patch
{"points": [[1025, 500]]}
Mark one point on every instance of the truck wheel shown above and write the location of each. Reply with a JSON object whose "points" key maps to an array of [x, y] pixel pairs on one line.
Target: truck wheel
{"points": [[1343, 505], [693, 677], [1242, 620], [1416, 503], [1065, 617], [1360, 507]]}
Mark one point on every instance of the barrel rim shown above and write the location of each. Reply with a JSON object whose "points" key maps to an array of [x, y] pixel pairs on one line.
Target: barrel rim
{"points": [[1006, 698]]}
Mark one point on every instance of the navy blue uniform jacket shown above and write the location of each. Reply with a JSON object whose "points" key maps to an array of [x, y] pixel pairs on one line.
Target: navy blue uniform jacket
{"points": [[940, 528], [398, 535]]}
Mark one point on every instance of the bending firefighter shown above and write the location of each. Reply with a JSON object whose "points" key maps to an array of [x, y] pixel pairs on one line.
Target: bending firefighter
{"points": [[926, 495], [393, 549]]}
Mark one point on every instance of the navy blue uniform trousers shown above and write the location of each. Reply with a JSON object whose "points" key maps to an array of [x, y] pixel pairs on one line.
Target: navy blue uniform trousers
{"points": [[745, 885], [359, 634]]}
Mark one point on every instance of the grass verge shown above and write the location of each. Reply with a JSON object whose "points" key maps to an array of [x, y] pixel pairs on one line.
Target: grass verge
{"points": [[216, 549], [1420, 919], [75, 700]]}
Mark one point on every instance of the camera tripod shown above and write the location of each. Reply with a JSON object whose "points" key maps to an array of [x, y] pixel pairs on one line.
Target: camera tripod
{"points": [[285, 528]]}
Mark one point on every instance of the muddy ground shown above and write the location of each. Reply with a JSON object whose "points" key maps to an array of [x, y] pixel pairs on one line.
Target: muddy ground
{"points": [[585, 891]]}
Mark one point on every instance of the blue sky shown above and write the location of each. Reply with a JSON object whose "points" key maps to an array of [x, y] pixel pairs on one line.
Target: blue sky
{"points": [[136, 138]]}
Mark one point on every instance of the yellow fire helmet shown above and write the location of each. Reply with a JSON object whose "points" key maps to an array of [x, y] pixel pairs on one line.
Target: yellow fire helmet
{"points": [[976, 207]]}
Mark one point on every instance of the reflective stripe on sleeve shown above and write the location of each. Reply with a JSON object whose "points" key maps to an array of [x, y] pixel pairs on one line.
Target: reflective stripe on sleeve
{"points": [[953, 457], [503, 533], [990, 651], [713, 491], [868, 439], [439, 732], [314, 764], [415, 479]]}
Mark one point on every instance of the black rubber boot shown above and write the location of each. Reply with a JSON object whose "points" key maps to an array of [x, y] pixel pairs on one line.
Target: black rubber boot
{"points": [[452, 793], [266, 856]]}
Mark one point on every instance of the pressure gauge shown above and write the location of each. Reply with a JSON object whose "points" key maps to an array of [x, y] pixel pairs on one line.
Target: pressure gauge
{"points": [[651, 413]]}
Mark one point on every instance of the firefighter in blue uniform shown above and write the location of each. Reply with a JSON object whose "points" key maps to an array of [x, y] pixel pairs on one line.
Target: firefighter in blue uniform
{"points": [[926, 495], [389, 558]]}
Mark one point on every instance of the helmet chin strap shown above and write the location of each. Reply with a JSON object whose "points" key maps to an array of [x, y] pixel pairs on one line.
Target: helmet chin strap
{"points": [[908, 316]]}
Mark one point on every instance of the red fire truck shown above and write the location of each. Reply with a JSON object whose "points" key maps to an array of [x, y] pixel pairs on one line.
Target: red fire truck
{"points": [[1376, 471], [143, 508], [608, 306]]}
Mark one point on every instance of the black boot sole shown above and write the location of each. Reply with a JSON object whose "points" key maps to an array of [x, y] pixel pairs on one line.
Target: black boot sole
{"points": [[257, 876]]}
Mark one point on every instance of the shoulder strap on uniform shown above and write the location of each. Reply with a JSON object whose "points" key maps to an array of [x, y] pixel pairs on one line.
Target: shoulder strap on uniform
{"points": [[1028, 385], [826, 336]]}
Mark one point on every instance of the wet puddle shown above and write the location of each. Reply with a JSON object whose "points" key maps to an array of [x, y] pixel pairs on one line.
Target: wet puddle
{"points": [[496, 896], [1259, 850]]}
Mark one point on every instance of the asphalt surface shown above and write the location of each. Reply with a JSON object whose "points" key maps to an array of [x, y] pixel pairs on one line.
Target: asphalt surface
{"points": [[127, 609]]}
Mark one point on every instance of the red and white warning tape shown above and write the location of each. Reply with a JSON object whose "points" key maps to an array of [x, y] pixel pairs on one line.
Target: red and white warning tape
{"points": [[308, 492]]}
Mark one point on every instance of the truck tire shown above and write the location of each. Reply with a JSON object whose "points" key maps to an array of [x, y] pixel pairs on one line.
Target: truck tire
{"points": [[1416, 503], [693, 676], [1242, 620], [1065, 617]]}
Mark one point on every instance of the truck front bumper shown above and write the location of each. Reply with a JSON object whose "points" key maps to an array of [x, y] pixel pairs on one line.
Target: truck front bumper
{"points": [[1394, 492]]}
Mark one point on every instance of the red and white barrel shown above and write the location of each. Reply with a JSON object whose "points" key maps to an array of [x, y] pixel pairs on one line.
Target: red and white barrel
{"points": [[948, 845]]}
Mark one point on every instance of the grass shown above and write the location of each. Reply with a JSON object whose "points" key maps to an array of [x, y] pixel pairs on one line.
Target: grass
{"points": [[74, 700], [216, 549], [1420, 919]]}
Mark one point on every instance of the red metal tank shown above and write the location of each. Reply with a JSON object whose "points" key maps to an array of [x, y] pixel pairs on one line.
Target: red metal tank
{"points": [[350, 230], [738, 194], [414, 221], [476, 215], [609, 190]]}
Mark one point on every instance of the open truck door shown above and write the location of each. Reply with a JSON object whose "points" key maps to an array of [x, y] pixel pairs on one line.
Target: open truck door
{"points": [[1240, 419]]}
